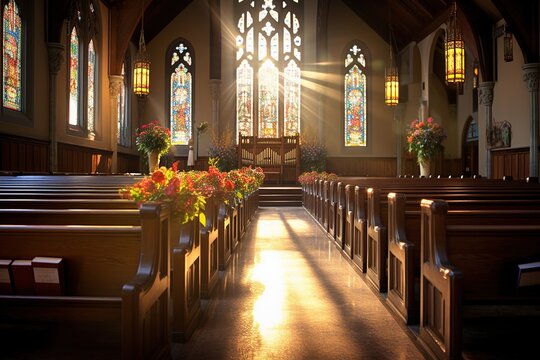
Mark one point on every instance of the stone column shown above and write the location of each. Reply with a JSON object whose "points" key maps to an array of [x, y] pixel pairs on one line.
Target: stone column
{"points": [[398, 124], [115, 84], [485, 97], [141, 108], [55, 54], [215, 91], [530, 76]]}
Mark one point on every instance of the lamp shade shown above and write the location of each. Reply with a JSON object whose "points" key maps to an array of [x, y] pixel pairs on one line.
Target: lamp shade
{"points": [[391, 85], [454, 51], [141, 77]]}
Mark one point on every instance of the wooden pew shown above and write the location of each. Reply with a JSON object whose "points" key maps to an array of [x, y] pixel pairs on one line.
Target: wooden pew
{"points": [[67, 204], [209, 248], [185, 278], [462, 264], [332, 208], [340, 215], [123, 279], [404, 234]]}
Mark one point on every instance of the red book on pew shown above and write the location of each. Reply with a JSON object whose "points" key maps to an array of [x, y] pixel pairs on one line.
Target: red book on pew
{"points": [[23, 277], [6, 284], [48, 276]]}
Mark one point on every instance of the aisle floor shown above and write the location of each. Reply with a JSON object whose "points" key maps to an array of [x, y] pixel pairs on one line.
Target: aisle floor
{"points": [[290, 294]]}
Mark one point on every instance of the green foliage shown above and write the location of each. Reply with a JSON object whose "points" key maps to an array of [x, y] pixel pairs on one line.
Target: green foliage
{"points": [[312, 156], [223, 151]]}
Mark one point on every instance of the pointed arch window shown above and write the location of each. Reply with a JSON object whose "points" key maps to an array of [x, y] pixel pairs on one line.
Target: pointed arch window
{"points": [[83, 67], [12, 45], [268, 67], [124, 105], [355, 96], [180, 57]]}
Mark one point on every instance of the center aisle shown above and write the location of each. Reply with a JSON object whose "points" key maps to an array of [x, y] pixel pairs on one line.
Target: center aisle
{"points": [[289, 294]]}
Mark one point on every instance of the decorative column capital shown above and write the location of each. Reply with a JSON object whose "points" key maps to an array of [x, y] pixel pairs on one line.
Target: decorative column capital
{"points": [[55, 54], [115, 84], [485, 93], [530, 76]]}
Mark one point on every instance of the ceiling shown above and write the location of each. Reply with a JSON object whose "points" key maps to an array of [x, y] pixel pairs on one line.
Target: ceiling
{"points": [[411, 21]]}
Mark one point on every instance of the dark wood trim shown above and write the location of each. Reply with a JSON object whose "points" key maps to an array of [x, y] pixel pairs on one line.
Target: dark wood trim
{"points": [[83, 160], [510, 162]]}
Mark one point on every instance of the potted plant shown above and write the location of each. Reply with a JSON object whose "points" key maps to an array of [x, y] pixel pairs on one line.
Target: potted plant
{"points": [[424, 139], [153, 140]]}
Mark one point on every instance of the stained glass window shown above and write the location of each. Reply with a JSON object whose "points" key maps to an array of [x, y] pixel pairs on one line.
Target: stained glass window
{"points": [[74, 78], [12, 57], [355, 97], [83, 67], [181, 92], [91, 85], [268, 43], [124, 129]]}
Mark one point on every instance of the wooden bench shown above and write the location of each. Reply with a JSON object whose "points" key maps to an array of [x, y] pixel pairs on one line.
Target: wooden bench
{"points": [[123, 279], [377, 222], [404, 233], [462, 264]]}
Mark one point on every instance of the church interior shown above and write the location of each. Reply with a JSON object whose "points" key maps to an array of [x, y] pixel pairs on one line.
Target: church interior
{"points": [[333, 88]]}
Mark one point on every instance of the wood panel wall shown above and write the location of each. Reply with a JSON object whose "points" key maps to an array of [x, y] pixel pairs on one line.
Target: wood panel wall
{"points": [[22, 154], [375, 166], [510, 162], [83, 160], [128, 163]]}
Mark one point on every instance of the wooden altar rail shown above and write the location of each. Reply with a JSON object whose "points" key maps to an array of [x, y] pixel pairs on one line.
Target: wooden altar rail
{"points": [[278, 157]]}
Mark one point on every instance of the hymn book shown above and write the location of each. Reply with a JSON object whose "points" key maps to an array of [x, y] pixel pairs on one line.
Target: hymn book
{"points": [[48, 276]]}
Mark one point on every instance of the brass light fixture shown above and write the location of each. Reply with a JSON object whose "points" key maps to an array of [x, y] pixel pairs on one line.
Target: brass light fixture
{"points": [[508, 45], [391, 75], [141, 67], [476, 80], [454, 50]]}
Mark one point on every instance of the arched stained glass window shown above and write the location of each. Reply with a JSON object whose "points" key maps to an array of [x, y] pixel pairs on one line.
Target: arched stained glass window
{"points": [[74, 77], [91, 85], [268, 67], [180, 63], [12, 56], [83, 67], [355, 96], [124, 126]]}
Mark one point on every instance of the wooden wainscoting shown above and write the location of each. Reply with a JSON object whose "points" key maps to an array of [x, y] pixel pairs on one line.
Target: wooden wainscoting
{"points": [[83, 160], [128, 163], [377, 166], [361, 166], [23, 154], [510, 162]]}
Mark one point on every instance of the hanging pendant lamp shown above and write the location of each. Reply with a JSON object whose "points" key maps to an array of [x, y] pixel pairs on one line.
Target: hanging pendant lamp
{"points": [[454, 50], [141, 67]]}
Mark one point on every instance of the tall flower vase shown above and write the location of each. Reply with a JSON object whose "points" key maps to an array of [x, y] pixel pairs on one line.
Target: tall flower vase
{"points": [[153, 161], [425, 167]]}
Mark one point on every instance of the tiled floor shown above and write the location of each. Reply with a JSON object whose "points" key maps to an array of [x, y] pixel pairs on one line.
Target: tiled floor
{"points": [[290, 294]]}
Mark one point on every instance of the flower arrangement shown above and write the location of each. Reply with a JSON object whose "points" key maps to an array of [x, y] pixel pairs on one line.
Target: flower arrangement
{"points": [[308, 178], [170, 186], [425, 138], [187, 192], [246, 180], [312, 156], [153, 137]]}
